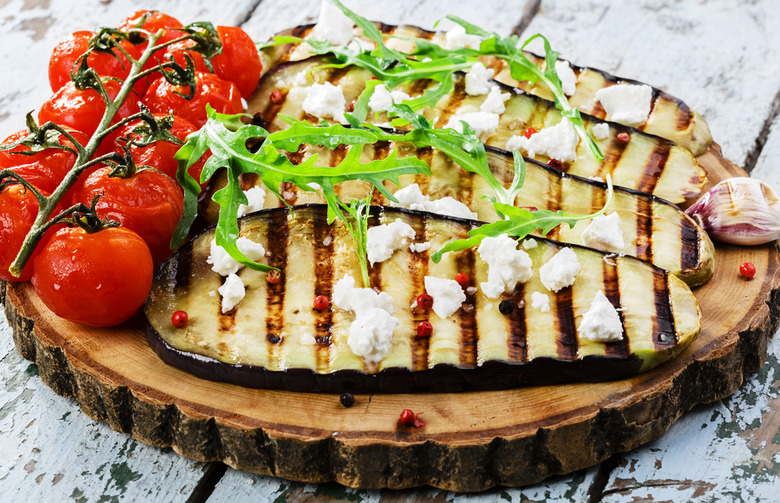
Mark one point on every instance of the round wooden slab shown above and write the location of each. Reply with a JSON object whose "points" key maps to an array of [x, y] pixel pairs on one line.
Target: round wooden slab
{"points": [[472, 441]]}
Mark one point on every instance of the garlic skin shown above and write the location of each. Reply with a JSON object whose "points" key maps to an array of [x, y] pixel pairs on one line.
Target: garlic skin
{"points": [[742, 211]]}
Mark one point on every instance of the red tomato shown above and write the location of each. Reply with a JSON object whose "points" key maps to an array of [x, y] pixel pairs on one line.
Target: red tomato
{"points": [[148, 203], [82, 110], [68, 52], [18, 210], [98, 279], [239, 61], [222, 95], [155, 21], [45, 169], [160, 153], [178, 50]]}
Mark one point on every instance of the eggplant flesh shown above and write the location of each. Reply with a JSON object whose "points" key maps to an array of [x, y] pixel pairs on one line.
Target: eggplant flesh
{"points": [[646, 163], [274, 338], [669, 116]]}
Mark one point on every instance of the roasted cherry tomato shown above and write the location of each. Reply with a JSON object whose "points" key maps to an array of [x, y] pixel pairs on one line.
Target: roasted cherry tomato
{"points": [[72, 47], [179, 49], [82, 110], [18, 210], [155, 20], [44, 169], [239, 61], [223, 96], [160, 153], [98, 279], [148, 203]]}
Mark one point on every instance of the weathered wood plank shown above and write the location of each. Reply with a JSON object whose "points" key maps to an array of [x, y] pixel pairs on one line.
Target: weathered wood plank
{"points": [[719, 57], [49, 450]]}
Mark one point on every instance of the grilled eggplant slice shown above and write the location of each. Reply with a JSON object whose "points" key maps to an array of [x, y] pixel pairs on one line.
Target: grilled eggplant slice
{"points": [[275, 339], [646, 163], [669, 117], [653, 229]]}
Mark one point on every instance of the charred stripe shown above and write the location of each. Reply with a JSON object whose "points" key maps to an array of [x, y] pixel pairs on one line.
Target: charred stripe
{"points": [[566, 338], [664, 332], [612, 291], [323, 284], [691, 242], [644, 228], [516, 344], [467, 314], [654, 167]]}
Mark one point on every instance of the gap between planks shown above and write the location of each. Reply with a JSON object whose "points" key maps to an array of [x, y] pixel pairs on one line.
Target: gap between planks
{"points": [[754, 153]]}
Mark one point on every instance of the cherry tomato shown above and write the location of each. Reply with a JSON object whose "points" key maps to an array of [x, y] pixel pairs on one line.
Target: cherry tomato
{"points": [[72, 47], [223, 96], [239, 61], [45, 169], [82, 110], [179, 49], [160, 153], [155, 21], [18, 210], [148, 203], [98, 279]]}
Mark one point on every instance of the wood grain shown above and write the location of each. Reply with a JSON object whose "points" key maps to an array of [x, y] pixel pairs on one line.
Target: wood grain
{"points": [[472, 441]]}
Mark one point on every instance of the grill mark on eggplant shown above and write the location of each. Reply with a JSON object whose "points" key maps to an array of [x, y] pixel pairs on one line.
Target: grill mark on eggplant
{"points": [[612, 292], [612, 155], [381, 151], [323, 284], [424, 181], [183, 269], [226, 321], [598, 110], [690, 237], [554, 187], [418, 269], [467, 314], [684, 116], [644, 228], [248, 180], [457, 96], [664, 332], [516, 343], [278, 232], [566, 338], [655, 96], [374, 271], [654, 167]]}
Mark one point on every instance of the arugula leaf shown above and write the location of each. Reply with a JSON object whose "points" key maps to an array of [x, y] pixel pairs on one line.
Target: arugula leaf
{"points": [[519, 222], [358, 210]]}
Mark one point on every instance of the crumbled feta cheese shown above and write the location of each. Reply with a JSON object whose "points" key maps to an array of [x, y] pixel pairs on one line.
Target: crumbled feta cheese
{"points": [[626, 103], [494, 103], [567, 76], [255, 198], [333, 25], [412, 197], [359, 300], [529, 244], [483, 123], [371, 334], [457, 37], [382, 99], [507, 266], [224, 264], [540, 302], [359, 45], [601, 322], [383, 240], [604, 233], [556, 142], [232, 292], [478, 79], [447, 295], [596, 179], [325, 101], [600, 131], [419, 247], [560, 271]]}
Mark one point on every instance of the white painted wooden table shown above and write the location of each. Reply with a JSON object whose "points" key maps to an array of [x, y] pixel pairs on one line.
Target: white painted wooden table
{"points": [[721, 57]]}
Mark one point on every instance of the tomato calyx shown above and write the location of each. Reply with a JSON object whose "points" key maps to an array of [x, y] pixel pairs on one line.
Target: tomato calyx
{"points": [[86, 217]]}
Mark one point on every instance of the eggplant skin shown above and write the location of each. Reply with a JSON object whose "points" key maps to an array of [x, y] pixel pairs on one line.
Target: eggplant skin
{"points": [[260, 343]]}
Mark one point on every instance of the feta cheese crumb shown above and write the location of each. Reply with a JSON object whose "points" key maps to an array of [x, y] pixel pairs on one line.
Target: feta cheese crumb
{"points": [[371, 334], [494, 103], [556, 142], [483, 123], [419, 247], [507, 266], [560, 271], [359, 45], [382, 99], [567, 76], [628, 104], [412, 197], [478, 79], [600, 131], [232, 292], [601, 323], [255, 198], [540, 302], [596, 179], [529, 244], [447, 295], [604, 233], [223, 264], [457, 37], [383, 240], [333, 25], [359, 300], [325, 101]]}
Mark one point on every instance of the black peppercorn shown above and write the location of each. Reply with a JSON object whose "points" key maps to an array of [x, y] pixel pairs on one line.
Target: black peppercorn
{"points": [[346, 399], [506, 307]]}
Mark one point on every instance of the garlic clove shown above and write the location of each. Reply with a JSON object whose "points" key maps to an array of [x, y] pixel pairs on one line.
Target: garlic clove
{"points": [[742, 211]]}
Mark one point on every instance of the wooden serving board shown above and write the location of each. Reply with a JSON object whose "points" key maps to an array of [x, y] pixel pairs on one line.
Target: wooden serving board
{"points": [[472, 441]]}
